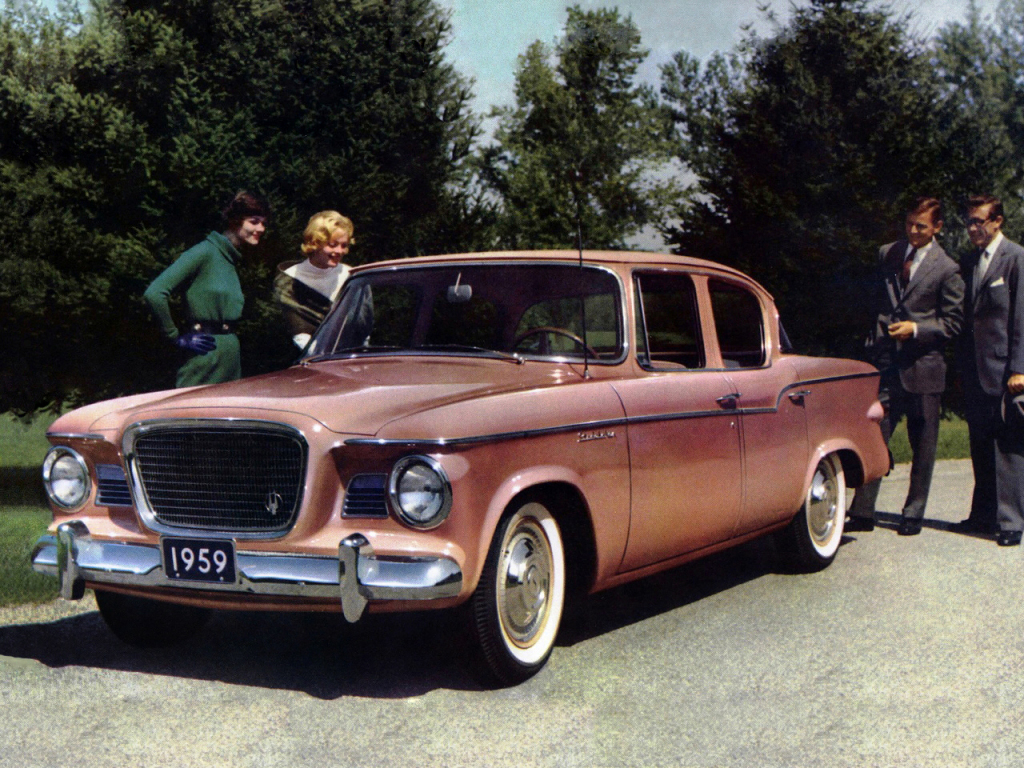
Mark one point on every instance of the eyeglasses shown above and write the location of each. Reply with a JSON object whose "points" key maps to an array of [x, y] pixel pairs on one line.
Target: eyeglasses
{"points": [[973, 223]]}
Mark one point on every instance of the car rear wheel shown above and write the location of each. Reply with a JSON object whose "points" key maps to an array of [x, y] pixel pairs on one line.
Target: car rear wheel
{"points": [[517, 607], [812, 539], [149, 623]]}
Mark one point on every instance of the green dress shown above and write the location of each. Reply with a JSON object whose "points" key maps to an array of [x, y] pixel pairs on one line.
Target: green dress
{"points": [[213, 295]]}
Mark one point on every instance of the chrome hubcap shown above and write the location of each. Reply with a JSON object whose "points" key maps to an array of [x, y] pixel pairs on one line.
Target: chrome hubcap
{"points": [[524, 583], [823, 502]]}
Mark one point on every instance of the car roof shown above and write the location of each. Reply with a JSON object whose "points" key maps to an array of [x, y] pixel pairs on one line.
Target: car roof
{"points": [[633, 258], [565, 256]]}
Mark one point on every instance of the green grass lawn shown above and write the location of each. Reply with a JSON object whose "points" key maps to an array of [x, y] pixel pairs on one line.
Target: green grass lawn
{"points": [[24, 514], [20, 526], [953, 442]]}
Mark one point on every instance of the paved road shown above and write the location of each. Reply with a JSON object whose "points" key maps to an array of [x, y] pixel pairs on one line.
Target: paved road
{"points": [[906, 652]]}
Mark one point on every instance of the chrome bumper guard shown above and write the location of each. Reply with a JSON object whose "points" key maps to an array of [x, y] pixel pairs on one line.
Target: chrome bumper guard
{"points": [[357, 575]]}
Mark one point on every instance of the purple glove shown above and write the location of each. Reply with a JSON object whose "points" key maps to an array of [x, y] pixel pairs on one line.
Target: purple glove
{"points": [[200, 343]]}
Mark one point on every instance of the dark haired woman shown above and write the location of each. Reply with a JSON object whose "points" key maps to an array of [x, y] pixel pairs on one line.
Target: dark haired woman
{"points": [[207, 274]]}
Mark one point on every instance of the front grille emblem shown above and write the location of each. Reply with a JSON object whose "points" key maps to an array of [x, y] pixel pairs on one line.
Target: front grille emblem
{"points": [[274, 501]]}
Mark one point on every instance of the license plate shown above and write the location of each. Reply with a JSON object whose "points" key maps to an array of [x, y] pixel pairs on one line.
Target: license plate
{"points": [[211, 560]]}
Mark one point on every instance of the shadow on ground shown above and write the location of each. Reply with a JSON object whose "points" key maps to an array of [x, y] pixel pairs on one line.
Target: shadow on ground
{"points": [[382, 656]]}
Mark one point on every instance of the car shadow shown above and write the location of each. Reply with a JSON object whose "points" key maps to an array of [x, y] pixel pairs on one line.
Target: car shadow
{"points": [[320, 654], [892, 521], [669, 590], [381, 656]]}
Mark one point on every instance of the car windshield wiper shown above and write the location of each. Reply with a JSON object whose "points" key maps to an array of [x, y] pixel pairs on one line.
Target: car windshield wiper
{"points": [[510, 356]]}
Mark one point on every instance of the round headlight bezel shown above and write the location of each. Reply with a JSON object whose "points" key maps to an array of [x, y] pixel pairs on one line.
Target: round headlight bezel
{"points": [[58, 454], [400, 471]]}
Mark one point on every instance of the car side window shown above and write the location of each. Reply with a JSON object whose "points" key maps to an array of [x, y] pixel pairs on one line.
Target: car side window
{"points": [[565, 315], [739, 323], [668, 331]]}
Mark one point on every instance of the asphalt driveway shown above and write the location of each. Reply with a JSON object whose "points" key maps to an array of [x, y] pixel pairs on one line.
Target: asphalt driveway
{"points": [[906, 652]]}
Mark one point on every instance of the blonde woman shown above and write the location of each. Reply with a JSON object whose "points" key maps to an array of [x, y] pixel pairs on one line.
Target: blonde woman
{"points": [[307, 289]]}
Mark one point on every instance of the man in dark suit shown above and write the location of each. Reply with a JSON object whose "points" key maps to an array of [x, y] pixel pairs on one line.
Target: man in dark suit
{"points": [[919, 309], [991, 356]]}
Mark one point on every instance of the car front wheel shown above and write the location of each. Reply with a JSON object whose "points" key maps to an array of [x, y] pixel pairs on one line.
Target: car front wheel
{"points": [[149, 623], [517, 607], [812, 539]]}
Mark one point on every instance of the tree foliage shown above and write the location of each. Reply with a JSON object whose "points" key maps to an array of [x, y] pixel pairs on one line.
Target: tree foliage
{"points": [[124, 130], [806, 146], [581, 141], [981, 71]]}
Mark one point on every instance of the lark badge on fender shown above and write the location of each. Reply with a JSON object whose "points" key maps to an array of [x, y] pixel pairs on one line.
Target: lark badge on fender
{"points": [[510, 431]]}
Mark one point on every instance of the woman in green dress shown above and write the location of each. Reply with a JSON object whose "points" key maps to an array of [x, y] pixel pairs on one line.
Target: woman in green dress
{"points": [[207, 274]]}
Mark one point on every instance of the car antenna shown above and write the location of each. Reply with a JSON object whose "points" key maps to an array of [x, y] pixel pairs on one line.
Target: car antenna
{"points": [[583, 298]]}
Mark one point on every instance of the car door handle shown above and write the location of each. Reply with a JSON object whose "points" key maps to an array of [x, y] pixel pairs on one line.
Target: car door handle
{"points": [[798, 397], [729, 401]]}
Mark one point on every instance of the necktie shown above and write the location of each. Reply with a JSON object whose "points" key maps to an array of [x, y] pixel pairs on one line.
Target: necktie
{"points": [[905, 273], [979, 272]]}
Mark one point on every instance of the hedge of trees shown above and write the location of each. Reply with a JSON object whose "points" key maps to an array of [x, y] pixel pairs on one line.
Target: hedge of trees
{"points": [[125, 126]]}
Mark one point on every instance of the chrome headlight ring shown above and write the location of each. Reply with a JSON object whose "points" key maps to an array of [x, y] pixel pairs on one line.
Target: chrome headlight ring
{"points": [[66, 477], [420, 492]]}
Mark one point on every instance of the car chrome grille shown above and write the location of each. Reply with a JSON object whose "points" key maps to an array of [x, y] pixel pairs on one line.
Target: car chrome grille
{"points": [[366, 496], [225, 478]]}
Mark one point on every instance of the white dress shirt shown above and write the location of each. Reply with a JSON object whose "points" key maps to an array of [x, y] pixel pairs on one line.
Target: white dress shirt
{"points": [[986, 259]]}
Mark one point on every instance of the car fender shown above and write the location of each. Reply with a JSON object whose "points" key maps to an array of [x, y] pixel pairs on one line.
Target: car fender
{"points": [[521, 481]]}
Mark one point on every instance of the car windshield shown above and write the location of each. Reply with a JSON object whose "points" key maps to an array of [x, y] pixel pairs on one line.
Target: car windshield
{"points": [[498, 310]]}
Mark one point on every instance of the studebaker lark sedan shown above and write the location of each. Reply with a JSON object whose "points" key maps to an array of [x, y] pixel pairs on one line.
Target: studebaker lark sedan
{"points": [[500, 432]]}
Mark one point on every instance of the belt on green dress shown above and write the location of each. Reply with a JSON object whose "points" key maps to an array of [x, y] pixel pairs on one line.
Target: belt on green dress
{"points": [[213, 328]]}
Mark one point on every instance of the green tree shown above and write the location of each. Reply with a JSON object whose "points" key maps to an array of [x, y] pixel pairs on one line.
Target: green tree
{"points": [[979, 67], [124, 130], [582, 141], [806, 147]]}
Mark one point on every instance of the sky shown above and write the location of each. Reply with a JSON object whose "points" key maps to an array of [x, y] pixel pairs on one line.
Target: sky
{"points": [[488, 35]]}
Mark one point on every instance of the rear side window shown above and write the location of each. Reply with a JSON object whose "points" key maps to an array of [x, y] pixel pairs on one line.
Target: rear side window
{"points": [[668, 331], [739, 323]]}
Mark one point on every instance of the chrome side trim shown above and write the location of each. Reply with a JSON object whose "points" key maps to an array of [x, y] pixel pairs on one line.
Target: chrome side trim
{"points": [[356, 576], [585, 426], [497, 436], [75, 436]]}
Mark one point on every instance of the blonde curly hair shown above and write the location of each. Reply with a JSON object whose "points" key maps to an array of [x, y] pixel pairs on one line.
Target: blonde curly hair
{"points": [[322, 226]]}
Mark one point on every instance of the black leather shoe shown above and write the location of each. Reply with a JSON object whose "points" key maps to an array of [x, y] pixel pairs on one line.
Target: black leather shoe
{"points": [[909, 526], [856, 523], [1008, 538]]}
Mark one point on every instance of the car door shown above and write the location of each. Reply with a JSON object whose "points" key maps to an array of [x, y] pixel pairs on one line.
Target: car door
{"points": [[683, 428], [773, 424]]}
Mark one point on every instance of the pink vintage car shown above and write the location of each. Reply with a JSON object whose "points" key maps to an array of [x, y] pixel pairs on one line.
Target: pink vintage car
{"points": [[502, 430]]}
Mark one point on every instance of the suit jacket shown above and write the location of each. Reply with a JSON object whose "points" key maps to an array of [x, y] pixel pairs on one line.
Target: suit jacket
{"points": [[992, 346], [934, 300]]}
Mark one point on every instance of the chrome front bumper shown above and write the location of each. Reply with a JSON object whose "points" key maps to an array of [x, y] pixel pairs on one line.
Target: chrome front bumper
{"points": [[357, 575]]}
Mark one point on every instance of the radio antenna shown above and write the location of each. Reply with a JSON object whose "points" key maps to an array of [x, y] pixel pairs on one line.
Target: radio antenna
{"points": [[583, 297]]}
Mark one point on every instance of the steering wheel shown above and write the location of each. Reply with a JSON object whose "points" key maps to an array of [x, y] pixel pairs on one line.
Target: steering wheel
{"points": [[545, 329]]}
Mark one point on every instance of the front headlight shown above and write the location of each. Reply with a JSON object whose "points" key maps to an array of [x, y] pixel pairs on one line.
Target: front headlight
{"points": [[66, 477], [420, 492]]}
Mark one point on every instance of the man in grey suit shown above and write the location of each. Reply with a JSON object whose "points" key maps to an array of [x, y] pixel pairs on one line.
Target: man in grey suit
{"points": [[919, 309], [991, 355]]}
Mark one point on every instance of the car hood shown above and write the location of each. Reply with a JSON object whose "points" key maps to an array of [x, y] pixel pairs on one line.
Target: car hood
{"points": [[355, 397]]}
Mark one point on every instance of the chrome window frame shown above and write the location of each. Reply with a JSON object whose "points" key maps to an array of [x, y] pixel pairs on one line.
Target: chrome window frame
{"points": [[622, 319]]}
